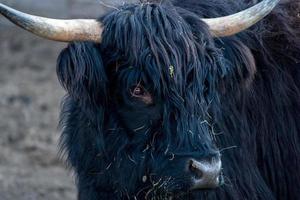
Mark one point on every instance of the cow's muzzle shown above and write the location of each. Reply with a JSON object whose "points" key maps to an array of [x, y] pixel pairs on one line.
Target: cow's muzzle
{"points": [[206, 174]]}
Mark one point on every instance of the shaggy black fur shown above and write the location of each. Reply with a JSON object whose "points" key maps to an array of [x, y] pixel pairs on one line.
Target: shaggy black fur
{"points": [[237, 95]]}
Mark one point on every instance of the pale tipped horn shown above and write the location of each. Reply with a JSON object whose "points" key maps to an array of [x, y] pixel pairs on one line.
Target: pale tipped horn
{"points": [[55, 29], [232, 24]]}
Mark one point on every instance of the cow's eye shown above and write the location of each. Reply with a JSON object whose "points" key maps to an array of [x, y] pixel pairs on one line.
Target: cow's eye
{"points": [[138, 91], [141, 93]]}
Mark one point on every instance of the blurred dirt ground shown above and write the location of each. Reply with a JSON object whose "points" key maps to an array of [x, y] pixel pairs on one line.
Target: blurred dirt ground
{"points": [[30, 95]]}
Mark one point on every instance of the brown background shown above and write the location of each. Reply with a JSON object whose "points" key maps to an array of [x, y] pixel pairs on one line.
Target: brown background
{"points": [[30, 95]]}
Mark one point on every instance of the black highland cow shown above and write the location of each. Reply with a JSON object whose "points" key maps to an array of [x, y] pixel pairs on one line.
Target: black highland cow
{"points": [[165, 103]]}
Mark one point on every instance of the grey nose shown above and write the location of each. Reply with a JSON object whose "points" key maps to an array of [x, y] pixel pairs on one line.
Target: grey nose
{"points": [[206, 173]]}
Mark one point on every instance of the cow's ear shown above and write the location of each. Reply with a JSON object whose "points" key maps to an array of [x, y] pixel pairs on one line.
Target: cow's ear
{"points": [[81, 72], [239, 61]]}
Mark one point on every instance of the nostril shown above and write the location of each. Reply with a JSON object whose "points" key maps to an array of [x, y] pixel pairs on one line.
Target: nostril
{"points": [[195, 170]]}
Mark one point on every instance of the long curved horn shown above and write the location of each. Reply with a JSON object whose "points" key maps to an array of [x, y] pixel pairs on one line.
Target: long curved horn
{"points": [[54, 29], [232, 24], [91, 29]]}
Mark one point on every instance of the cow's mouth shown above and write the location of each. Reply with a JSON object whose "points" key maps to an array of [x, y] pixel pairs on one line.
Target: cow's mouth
{"points": [[211, 183]]}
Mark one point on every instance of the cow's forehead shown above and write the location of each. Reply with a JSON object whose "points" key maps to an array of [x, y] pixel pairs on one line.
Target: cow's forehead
{"points": [[151, 34], [140, 26]]}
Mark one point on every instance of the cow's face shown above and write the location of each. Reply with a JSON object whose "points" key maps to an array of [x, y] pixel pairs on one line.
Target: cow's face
{"points": [[162, 87]]}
